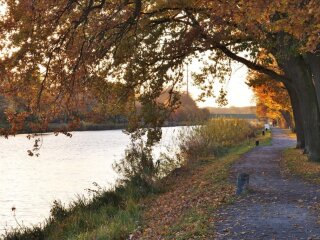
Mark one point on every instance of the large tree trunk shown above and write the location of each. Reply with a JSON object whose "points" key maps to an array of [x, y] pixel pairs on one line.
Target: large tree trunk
{"points": [[286, 118], [297, 115], [313, 60], [299, 72]]}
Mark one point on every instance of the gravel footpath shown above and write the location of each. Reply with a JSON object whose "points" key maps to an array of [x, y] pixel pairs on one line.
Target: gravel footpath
{"points": [[277, 206]]}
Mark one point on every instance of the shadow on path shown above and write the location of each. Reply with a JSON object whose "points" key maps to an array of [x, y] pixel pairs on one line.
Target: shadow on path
{"points": [[277, 207]]}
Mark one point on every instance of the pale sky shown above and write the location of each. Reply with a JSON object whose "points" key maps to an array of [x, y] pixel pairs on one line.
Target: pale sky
{"points": [[239, 94]]}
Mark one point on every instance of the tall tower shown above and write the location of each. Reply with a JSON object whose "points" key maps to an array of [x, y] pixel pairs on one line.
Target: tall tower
{"points": [[187, 78]]}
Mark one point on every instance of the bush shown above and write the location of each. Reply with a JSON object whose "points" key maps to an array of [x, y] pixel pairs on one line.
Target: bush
{"points": [[137, 168], [214, 138]]}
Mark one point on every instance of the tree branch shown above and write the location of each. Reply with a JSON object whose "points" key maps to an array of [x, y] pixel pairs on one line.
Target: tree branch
{"points": [[252, 65]]}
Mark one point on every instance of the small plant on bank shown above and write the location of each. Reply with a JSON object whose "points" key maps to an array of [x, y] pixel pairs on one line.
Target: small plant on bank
{"points": [[137, 168]]}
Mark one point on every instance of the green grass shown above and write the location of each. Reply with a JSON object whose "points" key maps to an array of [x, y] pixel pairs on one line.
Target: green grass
{"points": [[119, 227], [192, 224], [109, 215], [265, 140], [297, 163]]}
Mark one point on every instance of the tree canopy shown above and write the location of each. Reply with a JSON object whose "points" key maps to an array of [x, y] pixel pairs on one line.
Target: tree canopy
{"points": [[272, 100], [53, 51]]}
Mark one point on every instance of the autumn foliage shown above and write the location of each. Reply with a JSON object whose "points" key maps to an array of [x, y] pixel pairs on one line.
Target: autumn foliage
{"points": [[187, 111], [53, 52], [273, 102]]}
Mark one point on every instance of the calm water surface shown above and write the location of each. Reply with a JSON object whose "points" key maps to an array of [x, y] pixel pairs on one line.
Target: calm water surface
{"points": [[65, 168]]}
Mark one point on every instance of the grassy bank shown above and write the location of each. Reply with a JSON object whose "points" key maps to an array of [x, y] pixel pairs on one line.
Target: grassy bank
{"points": [[193, 192], [298, 164], [177, 206], [109, 215]]}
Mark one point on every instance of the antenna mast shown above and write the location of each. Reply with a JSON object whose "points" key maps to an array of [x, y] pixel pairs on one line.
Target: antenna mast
{"points": [[187, 79]]}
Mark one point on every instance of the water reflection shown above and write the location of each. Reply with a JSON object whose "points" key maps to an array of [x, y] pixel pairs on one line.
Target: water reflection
{"points": [[65, 168]]}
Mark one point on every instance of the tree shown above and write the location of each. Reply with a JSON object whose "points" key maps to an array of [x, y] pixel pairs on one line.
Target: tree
{"points": [[272, 99], [143, 45], [188, 111]]}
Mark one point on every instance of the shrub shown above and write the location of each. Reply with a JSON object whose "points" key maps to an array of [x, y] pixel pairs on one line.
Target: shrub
{"points": [[137, 168], [214, 138]]}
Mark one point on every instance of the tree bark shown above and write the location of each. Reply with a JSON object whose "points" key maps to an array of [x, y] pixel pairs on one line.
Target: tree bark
{"points": [[313, 60], [299, 72], [286, 119], [297, 115]]}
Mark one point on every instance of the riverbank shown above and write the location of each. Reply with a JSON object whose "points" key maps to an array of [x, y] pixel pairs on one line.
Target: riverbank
{"points": [[191, 194], [116, 213]]}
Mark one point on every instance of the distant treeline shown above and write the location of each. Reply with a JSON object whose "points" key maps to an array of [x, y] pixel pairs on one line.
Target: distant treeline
{"points": [[93, 116], [233, 110], [240, 116], [189, 111]]}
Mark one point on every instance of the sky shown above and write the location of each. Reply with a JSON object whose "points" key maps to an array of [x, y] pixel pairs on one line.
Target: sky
{"points": [[239, 94]]}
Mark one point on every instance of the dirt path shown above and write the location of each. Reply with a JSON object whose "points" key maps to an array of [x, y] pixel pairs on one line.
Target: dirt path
{"points": [[277, 207]]}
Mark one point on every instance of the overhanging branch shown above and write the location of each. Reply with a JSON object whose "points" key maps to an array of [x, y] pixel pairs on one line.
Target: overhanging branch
{"points": [[252, 65]]}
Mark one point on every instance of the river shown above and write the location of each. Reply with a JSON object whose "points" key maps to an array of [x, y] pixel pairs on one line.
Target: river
{"points": [[65, 168]]}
